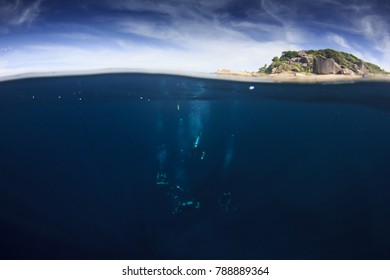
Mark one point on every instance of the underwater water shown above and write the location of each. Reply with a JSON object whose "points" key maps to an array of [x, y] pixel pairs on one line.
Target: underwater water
{"points": [[142, 166]]}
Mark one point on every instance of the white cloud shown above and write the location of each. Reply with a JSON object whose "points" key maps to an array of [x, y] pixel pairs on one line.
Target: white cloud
{"points": [[373, 26], [284, 14], [184, 33], [174, 8], [377, 32], [339, 40], [17, 13]]}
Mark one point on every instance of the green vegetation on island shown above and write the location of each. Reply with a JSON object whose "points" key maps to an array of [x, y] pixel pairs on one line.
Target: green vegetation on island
{"points": [[325, 61]]}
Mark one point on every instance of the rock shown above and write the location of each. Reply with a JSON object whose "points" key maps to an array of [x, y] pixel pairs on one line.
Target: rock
{"points": [[346, 71], [325, 66], [360, 65], [362, 72], [306, 59], [319, 62], [337, 67]]}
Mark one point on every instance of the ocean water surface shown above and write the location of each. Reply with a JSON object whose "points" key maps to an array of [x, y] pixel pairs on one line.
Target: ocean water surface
{"points": [[142, 166]]}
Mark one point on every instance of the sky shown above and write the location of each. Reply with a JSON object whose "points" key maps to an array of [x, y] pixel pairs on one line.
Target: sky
{"points": [[184, 35]]}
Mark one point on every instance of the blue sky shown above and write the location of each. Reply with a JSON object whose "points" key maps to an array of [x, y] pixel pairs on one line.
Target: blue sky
{"points": [[184, 35]]}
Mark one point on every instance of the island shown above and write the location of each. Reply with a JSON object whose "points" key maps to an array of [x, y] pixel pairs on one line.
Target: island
{"points": [[313, 66]]}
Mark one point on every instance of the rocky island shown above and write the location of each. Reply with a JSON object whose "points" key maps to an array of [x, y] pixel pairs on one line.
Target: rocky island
{"points": [[315, 66]]}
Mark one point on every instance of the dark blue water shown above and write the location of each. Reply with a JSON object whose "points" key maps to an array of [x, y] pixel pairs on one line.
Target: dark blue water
{"points": [[133, 166]]}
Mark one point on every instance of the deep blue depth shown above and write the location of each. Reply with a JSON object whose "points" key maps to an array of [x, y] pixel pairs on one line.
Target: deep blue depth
{"points": [[283, 171]]}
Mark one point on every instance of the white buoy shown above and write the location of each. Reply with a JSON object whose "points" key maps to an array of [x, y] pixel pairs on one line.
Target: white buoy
{"points": [[251, 88]]}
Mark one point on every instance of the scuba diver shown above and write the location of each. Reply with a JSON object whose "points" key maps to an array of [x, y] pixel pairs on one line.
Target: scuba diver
{"points": [[161, 178], [195, 151], [182, 200], [225, 202]]}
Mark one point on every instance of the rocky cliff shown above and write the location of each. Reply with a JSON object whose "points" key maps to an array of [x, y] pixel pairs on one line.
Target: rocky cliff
{"points": [[320, 62]]}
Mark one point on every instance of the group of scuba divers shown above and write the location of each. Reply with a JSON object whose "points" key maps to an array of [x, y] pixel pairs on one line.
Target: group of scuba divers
{"points": [[182, 199]]}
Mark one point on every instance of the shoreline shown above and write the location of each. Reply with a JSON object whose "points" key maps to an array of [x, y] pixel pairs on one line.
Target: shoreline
{"points": [[302, 78], [223, 74]]}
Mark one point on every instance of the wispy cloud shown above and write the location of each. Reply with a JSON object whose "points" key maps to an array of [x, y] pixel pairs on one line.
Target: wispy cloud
{"points": [[339, 40], [174, 8], [375, 28], [17, 13], [281, 12], [377, 31], [285, 15]]}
